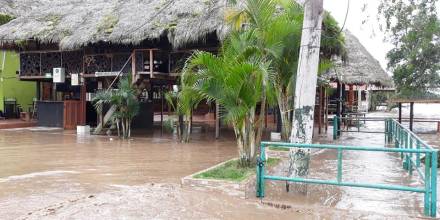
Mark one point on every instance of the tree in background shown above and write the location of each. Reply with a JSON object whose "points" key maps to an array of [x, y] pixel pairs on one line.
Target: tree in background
{"points": [[413, 28]]}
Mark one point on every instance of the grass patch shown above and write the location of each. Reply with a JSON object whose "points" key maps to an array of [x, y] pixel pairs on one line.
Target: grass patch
{"points": [[278, 148], [232, 172]]}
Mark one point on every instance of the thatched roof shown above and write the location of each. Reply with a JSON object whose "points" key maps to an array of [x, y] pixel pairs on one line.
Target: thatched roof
{"points": [[76, 23], [20, 7], [360, 67]]}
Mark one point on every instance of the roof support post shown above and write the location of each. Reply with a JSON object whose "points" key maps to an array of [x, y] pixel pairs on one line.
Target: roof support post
{"points": [[339, 106], [400, 112], [351, 97], [133, 67], [151, 63]]}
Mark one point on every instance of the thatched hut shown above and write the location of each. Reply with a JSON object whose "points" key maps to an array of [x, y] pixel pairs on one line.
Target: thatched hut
{"points": [[360, 68], [76, 24], [361, 72], [93, 41]]}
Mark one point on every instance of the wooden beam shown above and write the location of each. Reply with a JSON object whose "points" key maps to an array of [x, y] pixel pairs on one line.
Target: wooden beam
{"points": [[423, 101]]}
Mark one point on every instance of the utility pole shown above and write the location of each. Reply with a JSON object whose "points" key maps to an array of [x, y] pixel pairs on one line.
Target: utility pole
{"points": [[305, 91]]}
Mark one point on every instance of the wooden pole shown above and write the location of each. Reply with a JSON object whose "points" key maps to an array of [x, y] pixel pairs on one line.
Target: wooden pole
{"points": [[400, 112], [83, 108], [133, 67], [339, 105], [351, 97], [151, 64]]}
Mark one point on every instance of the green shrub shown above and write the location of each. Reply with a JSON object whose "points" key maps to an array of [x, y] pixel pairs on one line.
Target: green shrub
{"points": [[232, 171]]}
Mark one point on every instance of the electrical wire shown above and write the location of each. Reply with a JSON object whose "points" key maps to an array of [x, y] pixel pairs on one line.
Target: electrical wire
{"points": [[343, 24]]}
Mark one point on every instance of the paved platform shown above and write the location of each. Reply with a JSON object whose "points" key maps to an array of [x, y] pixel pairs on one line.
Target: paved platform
{"points": [[16, 123]]}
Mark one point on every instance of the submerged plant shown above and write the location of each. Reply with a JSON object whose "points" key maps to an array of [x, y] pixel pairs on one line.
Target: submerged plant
{"points": [[126, 103], [183, 102]]}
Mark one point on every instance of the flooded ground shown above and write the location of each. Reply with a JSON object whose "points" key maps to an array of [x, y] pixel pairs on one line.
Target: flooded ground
{"points": [[58, 175], [358, 167]]}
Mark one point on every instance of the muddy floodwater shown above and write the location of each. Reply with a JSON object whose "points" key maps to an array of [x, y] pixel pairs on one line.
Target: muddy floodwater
{"points": [[359, 167], [52, 174]]}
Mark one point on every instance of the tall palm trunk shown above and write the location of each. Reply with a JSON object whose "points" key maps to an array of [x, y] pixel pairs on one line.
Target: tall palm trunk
{"points": [[123, 127], [245, 134], [286, 119], [117, 127], [260, 123], [129, 127], [305, 91]]}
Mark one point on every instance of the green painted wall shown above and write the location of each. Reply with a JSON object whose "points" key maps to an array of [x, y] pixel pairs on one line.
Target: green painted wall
{"points": [[11, 86]]}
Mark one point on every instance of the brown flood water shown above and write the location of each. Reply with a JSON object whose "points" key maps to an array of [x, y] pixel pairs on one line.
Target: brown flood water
{"points": [[58, 175]]}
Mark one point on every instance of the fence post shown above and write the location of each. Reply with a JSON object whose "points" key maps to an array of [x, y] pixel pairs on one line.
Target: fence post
{"points": [[434, 183], [258, 190], [358, 123], [335, 127], [386, 131], [406, 155], [260, 171], [427, 202], [390, 131]]}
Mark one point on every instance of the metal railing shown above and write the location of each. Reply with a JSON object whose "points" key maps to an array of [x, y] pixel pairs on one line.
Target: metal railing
{"points": [[394, 131], [337, 121]]}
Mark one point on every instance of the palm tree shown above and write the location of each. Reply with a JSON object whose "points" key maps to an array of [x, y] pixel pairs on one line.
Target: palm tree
{"points": [[235, 80], [278, 25], [125, 101], [183, 103]]}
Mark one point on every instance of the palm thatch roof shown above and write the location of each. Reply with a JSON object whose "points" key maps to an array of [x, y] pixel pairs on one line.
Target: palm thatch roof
{"points": [[20, 7], [360, 67], [76, 23]]}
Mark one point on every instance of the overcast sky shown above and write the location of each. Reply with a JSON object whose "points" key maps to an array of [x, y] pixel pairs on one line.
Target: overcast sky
{"points": [[362, 22]]}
